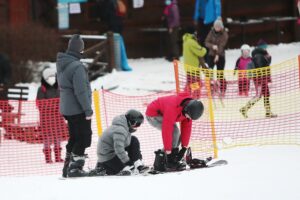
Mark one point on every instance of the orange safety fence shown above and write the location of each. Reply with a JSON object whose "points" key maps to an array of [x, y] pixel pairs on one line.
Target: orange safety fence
{"points": [[251, 107], [27, 128]]}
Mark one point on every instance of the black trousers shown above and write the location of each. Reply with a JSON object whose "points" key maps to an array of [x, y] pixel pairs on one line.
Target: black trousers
{"points": [[80, 134], [203, 30], [115, 165], [220, 71], [173, 45], [220, 64]]}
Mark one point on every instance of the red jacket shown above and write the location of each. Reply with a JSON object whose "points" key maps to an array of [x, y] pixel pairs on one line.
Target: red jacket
{"points": [[169, 107]]}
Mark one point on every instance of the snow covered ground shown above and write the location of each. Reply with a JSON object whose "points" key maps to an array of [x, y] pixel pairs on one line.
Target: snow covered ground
{"points": [[256, 173], [253, 173]]}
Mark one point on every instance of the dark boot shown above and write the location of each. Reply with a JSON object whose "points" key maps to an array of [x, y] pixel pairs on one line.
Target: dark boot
{"points": [[57, 153], [98, 171], [76, 166], [47, 153], [271, 115], [249, 105], [172, 163], [267, 105], [160, 161], [66, 165]]}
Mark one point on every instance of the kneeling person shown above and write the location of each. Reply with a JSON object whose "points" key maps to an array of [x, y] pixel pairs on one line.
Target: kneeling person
{"points": [[118, 151]]}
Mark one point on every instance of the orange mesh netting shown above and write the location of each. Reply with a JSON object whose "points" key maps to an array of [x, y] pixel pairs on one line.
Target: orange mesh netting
{"points": [[28, 127], [150, 138], [245, 103]]}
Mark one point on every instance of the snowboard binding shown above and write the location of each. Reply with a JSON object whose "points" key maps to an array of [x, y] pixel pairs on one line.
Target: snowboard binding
{"points": [[195, 163]]}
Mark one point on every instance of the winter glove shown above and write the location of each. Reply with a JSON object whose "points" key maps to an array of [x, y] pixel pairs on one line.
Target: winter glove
{"points": [[181, 153]]}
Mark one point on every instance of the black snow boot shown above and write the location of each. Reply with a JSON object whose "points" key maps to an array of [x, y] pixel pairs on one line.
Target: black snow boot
{"points": [[172, 163], [66, 165], [160, 161], [76, 166], [98, 171]]}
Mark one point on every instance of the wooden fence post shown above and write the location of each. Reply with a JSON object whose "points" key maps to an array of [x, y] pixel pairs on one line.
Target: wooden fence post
{"points": [[111, 51]]}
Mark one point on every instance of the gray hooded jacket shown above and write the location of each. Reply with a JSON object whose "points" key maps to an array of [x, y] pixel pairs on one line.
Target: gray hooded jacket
{"points": [[114, 140], [74, 86]]}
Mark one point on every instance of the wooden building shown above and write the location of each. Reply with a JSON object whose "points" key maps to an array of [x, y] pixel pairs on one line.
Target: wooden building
{"points": [[143, 31]]}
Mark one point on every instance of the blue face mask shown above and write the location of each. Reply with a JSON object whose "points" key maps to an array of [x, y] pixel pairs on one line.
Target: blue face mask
{"points": [[168, 2]]}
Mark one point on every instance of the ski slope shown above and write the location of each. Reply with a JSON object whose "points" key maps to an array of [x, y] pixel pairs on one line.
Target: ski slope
{"points": [[253, 173]]}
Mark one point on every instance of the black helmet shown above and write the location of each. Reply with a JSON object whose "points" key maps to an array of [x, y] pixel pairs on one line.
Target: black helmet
{"points": [[134, 118], [194, 109]]}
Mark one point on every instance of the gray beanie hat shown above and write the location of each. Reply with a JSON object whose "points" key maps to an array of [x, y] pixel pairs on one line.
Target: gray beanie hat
{"points": [[76, 44], [219, 23]]}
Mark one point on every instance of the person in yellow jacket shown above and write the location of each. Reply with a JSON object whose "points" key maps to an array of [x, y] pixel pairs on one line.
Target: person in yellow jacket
{"points": [[193, 54]]}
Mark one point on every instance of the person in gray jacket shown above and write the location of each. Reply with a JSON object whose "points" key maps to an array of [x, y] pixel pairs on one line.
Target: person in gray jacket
{"points": [[75, 105], [118, 151]]}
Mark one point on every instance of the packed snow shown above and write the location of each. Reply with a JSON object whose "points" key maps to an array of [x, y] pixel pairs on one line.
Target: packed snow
{"points": [[253, 173]]}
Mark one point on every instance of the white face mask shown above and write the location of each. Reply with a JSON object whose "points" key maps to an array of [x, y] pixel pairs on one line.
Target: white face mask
{"points": [[51, 80]]}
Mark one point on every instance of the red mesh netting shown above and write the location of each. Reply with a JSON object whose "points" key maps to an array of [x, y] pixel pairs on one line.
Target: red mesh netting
{"points": [[30, 131]]}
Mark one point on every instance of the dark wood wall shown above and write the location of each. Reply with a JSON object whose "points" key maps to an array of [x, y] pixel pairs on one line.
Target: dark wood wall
{"points": [[257, 8], [19, 12], [3, 12], [141, 43], [272, 24]]}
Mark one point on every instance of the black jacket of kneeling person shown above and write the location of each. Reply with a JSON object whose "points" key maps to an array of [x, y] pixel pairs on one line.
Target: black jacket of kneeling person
{"points": [[118, 150]]}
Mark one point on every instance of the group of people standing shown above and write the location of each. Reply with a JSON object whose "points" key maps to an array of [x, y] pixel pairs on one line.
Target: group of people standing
{"points": [[203, 43], [204, 47]]}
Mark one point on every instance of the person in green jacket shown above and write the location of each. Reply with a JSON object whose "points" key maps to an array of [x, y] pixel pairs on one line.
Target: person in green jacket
{"points": [[193, 54]]}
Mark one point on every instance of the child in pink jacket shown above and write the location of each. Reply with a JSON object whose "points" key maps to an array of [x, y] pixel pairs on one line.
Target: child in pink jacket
{"points": [[241, 67]]}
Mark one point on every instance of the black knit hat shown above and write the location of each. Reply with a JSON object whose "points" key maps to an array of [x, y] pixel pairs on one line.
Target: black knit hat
{"points": [[76, 44]]}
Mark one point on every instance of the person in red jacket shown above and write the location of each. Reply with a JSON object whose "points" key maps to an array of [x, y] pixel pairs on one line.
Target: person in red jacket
{"points": [[163, 113]]}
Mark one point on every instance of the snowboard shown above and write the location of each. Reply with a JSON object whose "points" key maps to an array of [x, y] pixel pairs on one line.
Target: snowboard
{"points": [[208, 165]]}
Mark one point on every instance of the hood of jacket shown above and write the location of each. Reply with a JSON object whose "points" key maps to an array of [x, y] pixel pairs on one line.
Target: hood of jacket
{"points": [[120, 121], [64, 59], [188, 36]]}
